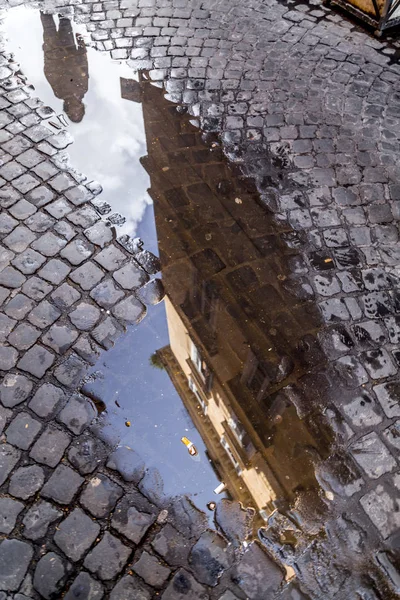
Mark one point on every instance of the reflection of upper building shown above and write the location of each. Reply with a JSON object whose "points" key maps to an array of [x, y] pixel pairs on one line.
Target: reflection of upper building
{"points": [[65, 64], [234, 331]]}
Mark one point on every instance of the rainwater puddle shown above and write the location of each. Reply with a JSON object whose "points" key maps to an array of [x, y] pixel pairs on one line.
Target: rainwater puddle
{"points": [[222, 360]]}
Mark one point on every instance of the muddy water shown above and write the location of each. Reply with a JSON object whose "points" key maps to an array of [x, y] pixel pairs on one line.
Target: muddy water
{"points": [[221, 342]]}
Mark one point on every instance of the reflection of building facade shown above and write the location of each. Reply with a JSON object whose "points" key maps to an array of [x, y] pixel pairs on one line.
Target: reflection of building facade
{"points": [[234, 332]]}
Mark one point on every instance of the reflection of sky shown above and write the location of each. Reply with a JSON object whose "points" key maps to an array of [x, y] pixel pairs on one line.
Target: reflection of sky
{"points": [[108, 144], [110, 138]]}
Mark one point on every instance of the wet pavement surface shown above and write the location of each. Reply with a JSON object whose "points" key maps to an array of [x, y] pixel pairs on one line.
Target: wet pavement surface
{"points": [[275, 349]]}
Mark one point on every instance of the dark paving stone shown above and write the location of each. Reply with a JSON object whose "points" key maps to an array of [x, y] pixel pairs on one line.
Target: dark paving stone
{"points": [[128, 463], [71, 371], [22, 431], [99, 234], [9, 456], [44, 314], [130, 588], [11, 278], [77, 414], [258, 574], [14, 389], [15, 557], [209, 558], [47, 399], [60, 338], [106, 294], [18, 307], [107, 332], [9, 511], [235, 522], [131, 519], [62, 485], [172, 546], [36, 361], [108, 557], [183, 586], [152, 293], [49, 244], [26, 481], [85, 316], [36, 288], [111, 258], [55, 271], [100, 496], [372, 455], [50, 575], [38, 518], [29, 261], [130, 310], [86, 454], [77, 251], [87, 276], [378, 363], [65, 296], [50, 447], [131, 276], [76, 534], [84, 588], [150, 263], [150, 569]]}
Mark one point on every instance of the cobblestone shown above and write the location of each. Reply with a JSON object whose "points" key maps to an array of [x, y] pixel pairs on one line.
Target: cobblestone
{"points": [[76, 534], [26, 481], [108, 557], [62, 485]]}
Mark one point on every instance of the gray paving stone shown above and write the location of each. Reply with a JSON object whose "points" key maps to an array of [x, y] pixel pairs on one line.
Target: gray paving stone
{"points": [[49, 244], [4, 294], [15, 557], [28, 262], [22, 431], [65, 229], [87, 349], [100, 496], [106, 294], [55, 271], [71, 371], [131, 276], [78, 195], [77, 251], [61, 182], [36, 361], [26, 481], [87, 453], [84, 588], [183, 586], [30, 158], [38, 518], [64, 296], [87, 276], [209, 558], [130, 587], [107, 558], [44, 314], [372, 455], [18, 307], [85, 217], [62, 485], [11, 170], [22, 209], [77, 414], [40, 222], [9, 511], [7, 223], [59, 208], [6, 326], [150, 263], [130, 310], [14, 389], [44, 170], [5, 415], [363, 411], [11, 278], [131, 522], [40, 196], [128, 463], [50, 447], [380, 506], [5, 257], [172, 546], [388, 395], [60, 337], [36, 288], [392, 435], [85, 316], [47, 400], [9, 456], [50, 575], [76, 534], [24, 336], [19, 239], [152, 293], [99, 234], [8, 358], [111, 258], [150, 569]]}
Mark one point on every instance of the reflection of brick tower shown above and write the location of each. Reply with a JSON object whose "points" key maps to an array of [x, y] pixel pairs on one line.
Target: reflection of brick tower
{"points": [[234, 331]]}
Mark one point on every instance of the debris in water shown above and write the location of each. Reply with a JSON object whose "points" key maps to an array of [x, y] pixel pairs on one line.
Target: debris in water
{"points": [[190, 446], [211, 505], [238, 201], [128, 423]]}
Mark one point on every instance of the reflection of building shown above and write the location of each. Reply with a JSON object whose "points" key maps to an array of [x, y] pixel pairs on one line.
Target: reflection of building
{"points": [[234, 331]]}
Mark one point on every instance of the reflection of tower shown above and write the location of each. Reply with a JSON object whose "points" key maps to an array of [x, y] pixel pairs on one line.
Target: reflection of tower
{"points": [[233, 330], [131, 90], [65, 64]]}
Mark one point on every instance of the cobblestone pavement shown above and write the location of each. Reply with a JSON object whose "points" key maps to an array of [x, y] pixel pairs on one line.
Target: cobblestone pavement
{"points": [[308, 106]]}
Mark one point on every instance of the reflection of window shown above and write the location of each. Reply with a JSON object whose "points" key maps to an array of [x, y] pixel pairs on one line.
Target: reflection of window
{"points": [[196, 359], [196, 392], [237, 428], [264, 515], [229, 452]]}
